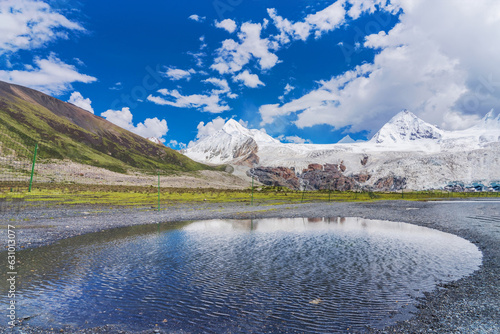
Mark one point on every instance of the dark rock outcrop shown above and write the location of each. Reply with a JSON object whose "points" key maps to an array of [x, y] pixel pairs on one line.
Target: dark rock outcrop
{"points": [[313, 167], [330, 178], [276, 176], [324, 177], [390, 183], [362, 177], [314, 177]]}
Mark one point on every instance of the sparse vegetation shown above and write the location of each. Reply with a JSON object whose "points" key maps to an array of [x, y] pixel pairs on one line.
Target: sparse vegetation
{"points": [[57, 194]]}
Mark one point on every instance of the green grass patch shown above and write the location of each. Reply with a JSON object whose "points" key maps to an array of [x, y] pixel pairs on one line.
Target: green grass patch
{"points": [[103, 195]]}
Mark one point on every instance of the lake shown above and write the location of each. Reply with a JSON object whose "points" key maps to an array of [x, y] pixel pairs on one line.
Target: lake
{"points": [[317, 275]]}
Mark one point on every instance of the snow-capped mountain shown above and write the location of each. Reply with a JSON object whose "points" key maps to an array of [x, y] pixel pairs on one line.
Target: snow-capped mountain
{"points": [[406, 147], [406, 127], [233, 143]]}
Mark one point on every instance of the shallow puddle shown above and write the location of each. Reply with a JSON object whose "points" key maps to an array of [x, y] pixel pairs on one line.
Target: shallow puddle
{"points": [[267, 275]]}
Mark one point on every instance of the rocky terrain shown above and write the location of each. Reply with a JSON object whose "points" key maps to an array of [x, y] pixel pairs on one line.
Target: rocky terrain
{"points": [[323, 177]]}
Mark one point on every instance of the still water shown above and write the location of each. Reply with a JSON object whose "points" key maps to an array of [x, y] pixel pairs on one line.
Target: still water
{"points": [[268, 275]]}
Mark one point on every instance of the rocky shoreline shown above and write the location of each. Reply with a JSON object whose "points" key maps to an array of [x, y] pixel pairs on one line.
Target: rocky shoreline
{"points": [[469, 305]]}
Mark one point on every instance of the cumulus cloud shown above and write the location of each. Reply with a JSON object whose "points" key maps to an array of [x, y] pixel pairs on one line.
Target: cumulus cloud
{"points": [[77, 99], [232, 55], [197, 18], [248, 79], [323, 21], [294, 139], [226, 24], [29, 24], [205, 130], [51, 76], [221, 83], [210, 102], [176, 145], [441, 64], [152, 127], [177, 74]]}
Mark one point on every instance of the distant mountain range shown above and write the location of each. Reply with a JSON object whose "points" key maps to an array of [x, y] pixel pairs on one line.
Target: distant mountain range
{"points": [[65, 131], [406, 152]]}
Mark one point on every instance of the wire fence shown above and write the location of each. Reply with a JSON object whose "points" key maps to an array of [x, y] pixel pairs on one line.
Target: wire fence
{"points": [[17, 158], [17, 163]]}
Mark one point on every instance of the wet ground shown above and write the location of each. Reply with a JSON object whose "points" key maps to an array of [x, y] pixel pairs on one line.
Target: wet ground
{"points": [[469, 305]]}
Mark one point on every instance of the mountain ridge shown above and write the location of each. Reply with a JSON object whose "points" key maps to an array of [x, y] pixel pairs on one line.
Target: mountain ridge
{"points": [[406, 147], [65, 131]]}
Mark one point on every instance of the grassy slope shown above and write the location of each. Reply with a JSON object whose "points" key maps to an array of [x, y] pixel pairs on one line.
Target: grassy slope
{"points": [[67, 131]]}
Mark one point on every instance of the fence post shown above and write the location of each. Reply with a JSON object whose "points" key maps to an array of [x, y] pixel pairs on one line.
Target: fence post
{"points": [[33, 167], [158, 192]]}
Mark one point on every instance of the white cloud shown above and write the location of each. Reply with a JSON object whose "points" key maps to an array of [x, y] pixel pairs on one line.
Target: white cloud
{"points": [[77, 99], [221, 83], [226, 24], [288, 89], [51, 76], [198, 57], [244, 123], [232, 56], [248, 79], [176, 145], [205, 102], [197, 18], [294, 139], [28, 24], [205, 130], [116, 86], [152, 127], [323, 21], [177, 74], [441, 64]]}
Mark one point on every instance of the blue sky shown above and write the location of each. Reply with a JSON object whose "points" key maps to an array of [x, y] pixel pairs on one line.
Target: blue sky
{"points": [[305, 71]]}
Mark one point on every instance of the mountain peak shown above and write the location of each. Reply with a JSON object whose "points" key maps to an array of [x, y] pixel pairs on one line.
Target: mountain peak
{"points": [[346, 140], [233, 126], [404, 115], [489, 120], [404, 127]]}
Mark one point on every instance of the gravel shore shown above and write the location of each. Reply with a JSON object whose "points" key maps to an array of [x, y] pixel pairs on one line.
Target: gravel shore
{"points": [[470, 305]]}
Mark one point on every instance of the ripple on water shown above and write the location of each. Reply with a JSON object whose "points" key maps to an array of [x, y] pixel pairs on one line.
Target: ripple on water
{"points": [[277, 275]]}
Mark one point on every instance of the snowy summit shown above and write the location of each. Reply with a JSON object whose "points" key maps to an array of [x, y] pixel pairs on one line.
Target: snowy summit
{"points": [[404, 127]]}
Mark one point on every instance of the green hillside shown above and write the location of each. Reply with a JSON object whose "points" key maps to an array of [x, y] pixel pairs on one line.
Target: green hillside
{"points": [[65, 131]]}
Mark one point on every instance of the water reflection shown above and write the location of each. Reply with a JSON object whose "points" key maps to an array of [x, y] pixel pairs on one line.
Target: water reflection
{"points": [[275, 275]]}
